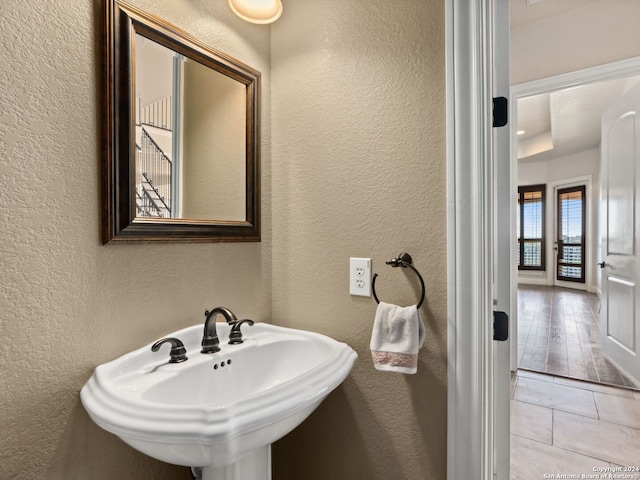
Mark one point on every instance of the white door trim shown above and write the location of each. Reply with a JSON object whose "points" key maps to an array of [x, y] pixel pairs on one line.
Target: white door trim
{"points": [[469, 239], [619, 69]]}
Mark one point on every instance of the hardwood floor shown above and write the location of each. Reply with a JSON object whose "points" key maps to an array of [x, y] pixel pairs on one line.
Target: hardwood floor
{"points": [[559, 334]]}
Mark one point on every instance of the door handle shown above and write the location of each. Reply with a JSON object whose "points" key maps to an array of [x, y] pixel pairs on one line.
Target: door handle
{"points": [[602, 264]]}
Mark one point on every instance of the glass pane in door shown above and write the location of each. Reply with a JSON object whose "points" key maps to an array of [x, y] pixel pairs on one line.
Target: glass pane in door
{"points": [[571, 234]]}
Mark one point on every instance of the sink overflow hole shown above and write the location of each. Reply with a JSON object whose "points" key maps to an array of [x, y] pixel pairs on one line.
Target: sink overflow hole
{"points": [[222, 364]]}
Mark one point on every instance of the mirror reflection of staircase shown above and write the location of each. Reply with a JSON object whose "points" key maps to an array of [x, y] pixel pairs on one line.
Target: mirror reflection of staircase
{"points": [[154, 138]]}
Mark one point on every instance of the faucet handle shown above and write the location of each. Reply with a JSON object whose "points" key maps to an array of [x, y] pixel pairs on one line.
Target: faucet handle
{"points": [[178, 352], [235, 336]]}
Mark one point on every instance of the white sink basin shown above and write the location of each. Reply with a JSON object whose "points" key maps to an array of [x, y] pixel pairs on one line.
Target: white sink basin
{"points": [[219, 411]]}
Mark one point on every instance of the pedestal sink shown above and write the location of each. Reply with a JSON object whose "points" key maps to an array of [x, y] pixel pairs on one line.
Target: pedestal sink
{"points": [[219, 411]]}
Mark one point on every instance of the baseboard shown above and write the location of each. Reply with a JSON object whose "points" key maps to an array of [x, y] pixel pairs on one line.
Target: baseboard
{"points": [[533, 281]]}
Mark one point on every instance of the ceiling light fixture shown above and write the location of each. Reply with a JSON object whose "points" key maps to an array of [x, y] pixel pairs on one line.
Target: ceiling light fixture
{"points": [[520, 132], [257, 11]]}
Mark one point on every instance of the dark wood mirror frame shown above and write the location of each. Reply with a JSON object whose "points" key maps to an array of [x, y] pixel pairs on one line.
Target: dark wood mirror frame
{"points": [[119, 223]]}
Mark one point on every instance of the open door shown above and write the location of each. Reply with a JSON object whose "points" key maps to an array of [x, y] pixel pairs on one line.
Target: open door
{"points": [[620, 266]]}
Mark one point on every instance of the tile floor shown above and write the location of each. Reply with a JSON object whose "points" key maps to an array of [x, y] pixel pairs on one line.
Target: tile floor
{"points": [[561, 426]]}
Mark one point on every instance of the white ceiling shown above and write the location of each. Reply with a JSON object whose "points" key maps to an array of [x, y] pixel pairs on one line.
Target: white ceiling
{"points": [[528, 11], [567, 121]]}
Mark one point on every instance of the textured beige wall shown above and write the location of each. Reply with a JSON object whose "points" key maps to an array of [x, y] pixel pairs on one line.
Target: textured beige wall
{"points": [[594, 34], [358, 141], [67, 303], [360, 171]]}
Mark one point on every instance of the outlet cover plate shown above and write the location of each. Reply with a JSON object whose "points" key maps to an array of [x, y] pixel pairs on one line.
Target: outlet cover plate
{"points": [[360, 276]]}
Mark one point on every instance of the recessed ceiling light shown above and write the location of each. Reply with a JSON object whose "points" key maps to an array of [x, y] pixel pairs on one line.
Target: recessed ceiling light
{"points": [[520, 132]]}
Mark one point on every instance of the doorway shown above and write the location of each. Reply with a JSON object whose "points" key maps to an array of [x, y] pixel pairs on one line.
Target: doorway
{"points": [[472, 452], [569, 173], [560, 425]]}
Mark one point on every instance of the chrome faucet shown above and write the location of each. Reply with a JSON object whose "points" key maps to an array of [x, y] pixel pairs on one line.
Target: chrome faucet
{"points": [[210, 340]]}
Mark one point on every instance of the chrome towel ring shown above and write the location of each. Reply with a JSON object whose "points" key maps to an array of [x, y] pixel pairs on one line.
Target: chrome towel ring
{"points": [[403, 260]]}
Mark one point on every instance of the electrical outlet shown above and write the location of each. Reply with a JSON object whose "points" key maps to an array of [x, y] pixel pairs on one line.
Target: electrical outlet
{"points": [[360, 276]]}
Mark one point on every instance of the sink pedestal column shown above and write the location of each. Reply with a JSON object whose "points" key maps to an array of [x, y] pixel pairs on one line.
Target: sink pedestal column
{"points": [[255, 466]]}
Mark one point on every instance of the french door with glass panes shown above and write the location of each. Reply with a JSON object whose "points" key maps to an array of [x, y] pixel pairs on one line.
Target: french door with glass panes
{"points": [[570, 234]]}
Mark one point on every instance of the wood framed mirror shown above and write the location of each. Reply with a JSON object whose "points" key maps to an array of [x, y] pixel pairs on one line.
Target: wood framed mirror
{"points": [[181, 136]]}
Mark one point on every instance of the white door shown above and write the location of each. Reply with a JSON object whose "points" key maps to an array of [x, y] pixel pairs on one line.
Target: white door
{"points": [[620, 312]]}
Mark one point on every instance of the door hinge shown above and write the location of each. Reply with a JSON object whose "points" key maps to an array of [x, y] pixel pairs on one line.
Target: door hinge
{"points": [[500, 111], [500, 326]]}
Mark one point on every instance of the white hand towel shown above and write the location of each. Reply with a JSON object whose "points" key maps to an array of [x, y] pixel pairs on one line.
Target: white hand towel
{"points": [[398, 334]]}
